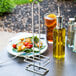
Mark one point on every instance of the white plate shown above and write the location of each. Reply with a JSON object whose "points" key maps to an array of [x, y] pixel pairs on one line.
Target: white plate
{"points": [[24, 35]]}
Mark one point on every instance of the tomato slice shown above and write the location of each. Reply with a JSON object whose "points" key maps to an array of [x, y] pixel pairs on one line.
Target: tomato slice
{"points": [[14, 46], [25, 43], [30, 46]]}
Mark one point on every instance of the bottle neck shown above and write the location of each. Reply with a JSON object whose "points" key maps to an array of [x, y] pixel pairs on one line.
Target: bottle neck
{"points": [[74, 27], [75, 19], [59, 22]]}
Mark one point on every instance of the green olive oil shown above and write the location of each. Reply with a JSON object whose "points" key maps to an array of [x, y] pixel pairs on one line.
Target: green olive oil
{"points": [[59, 39]]}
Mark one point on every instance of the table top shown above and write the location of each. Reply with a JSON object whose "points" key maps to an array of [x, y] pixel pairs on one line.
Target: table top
{"points": [[16, 67]]}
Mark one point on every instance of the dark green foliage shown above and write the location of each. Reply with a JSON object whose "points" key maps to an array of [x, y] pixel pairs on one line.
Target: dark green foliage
{"points": [[26, 1], [22, 1], [6, 6]]}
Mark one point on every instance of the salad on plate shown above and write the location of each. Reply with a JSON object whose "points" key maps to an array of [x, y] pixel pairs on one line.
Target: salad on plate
{"points": [[26, 45]]}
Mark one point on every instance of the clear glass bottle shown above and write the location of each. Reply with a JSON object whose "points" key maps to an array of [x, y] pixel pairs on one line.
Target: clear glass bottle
{"points": [[59, 39], [70, 36], [74, 42]]}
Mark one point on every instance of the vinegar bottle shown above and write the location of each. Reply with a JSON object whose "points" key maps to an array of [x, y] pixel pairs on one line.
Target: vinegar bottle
{"points": [[59, 39], [70, 38], [74, 42]]}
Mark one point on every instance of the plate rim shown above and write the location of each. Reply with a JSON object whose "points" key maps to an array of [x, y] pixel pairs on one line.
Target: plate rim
{"points": [[13, 53]]}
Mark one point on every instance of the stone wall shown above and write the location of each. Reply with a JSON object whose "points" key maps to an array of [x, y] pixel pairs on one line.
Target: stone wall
{"points": [[20, 19]]}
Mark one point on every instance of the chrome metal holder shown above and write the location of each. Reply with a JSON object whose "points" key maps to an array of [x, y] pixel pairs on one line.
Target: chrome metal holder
{"points": [[43, 60], [37, 69], [37, 63]]}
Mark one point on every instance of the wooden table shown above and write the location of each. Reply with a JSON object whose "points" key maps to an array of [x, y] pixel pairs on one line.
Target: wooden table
{"points": [[16, 67]]}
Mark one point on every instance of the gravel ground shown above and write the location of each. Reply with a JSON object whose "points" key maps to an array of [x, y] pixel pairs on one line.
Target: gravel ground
{"points": [[20, 19]]}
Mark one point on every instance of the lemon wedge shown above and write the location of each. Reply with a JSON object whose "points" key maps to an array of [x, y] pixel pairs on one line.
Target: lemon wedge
{"points": [[51, 16]]}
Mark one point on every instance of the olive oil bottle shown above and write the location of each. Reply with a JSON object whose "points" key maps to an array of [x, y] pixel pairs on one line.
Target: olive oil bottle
{"points": [[59, 39]]}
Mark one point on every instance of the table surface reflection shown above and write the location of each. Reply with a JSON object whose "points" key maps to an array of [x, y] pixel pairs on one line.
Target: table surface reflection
{"points": [[16, 67]]}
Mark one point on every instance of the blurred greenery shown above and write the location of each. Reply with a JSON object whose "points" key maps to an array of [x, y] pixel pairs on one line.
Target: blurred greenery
{"points": [[7, 6], [26, 1], [22, 1]]}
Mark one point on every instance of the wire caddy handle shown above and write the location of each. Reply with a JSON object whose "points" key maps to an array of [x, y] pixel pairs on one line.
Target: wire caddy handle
{"points": [[40, 61]]}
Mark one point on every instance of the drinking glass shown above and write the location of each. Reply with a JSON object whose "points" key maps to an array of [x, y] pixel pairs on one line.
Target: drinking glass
{"points": [[50, 23]]}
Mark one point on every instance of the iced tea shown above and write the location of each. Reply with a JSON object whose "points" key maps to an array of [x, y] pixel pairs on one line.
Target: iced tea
{"points": [[50, 22]]}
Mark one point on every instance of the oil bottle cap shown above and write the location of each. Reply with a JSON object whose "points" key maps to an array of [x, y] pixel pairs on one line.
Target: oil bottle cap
{"points": [[59, 21], [71, 19]]}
